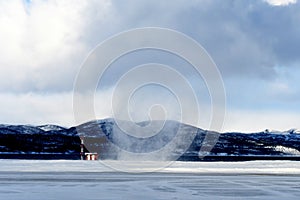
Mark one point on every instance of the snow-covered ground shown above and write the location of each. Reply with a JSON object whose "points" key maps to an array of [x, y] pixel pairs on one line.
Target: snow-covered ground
{"points": [[29, 179]]}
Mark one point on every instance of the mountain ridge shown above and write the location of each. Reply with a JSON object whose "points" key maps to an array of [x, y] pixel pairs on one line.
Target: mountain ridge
{"points": [[107, 138]]}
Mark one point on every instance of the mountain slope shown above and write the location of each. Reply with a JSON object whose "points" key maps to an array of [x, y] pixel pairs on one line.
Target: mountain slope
{"points": [[108, 139]]}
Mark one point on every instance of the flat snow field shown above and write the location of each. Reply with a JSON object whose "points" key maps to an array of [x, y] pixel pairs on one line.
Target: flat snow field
{"points": [[61, 179]]}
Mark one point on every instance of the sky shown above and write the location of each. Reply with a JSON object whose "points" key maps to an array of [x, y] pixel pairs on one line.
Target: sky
{"points": [[254, 43]]}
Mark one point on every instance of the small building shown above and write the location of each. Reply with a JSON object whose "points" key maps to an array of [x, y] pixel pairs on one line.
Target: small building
{"points": [[86, 155], [91, 156]]}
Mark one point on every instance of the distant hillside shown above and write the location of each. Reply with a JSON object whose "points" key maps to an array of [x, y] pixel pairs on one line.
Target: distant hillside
{"points": [[105, 137]]}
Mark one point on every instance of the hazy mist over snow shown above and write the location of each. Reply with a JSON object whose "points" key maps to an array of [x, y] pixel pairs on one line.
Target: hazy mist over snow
{"points": [[255, 45]]}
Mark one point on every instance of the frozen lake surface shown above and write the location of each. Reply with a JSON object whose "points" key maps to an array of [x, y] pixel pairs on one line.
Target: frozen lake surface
{"points": [[28, 179]]}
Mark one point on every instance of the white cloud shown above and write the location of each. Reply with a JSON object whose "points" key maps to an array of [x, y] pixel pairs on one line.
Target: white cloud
{"points": [[44, 38], [32, 108], [53, 108], [280, 2], [255, 121]]}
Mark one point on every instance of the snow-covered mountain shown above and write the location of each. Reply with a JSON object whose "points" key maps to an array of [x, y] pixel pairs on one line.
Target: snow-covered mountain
{"points": [[109, 137]]}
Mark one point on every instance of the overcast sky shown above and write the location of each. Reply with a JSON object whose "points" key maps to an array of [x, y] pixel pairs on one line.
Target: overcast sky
{"points": [[254, 43]]}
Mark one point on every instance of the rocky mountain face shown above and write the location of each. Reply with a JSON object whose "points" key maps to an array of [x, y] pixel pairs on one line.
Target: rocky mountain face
{"points": [[108, 139]]}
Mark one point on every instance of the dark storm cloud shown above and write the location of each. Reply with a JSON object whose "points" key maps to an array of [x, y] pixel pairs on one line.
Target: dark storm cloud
{"points": [[243, 37]]}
